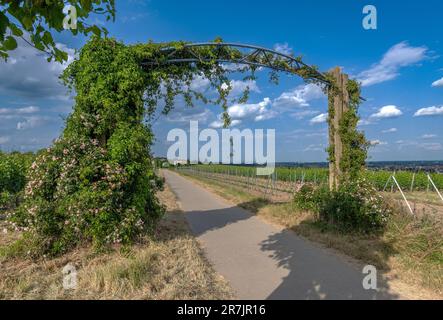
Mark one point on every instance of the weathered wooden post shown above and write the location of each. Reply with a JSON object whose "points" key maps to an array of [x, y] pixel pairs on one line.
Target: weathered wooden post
{"points": [[339, 104]]}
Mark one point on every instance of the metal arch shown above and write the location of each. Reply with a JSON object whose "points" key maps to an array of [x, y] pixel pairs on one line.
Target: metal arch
{"points": [[258, 57]]}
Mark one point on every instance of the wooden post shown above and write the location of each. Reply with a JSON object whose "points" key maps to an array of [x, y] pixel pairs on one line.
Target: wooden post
{"points": [[340, 101]]}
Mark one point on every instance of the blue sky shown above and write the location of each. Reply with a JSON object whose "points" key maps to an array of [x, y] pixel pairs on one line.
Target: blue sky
{"points": [[400, 66]]}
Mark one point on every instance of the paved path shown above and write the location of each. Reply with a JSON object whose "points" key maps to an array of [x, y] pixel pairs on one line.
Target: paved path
{"points": [[261, 261]]}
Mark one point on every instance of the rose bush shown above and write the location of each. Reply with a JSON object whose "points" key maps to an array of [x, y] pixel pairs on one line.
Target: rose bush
{"points": [[355, 206], [79, 191]]}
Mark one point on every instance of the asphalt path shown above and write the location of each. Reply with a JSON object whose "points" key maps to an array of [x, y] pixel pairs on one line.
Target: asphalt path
{"points": [[262, 261]]}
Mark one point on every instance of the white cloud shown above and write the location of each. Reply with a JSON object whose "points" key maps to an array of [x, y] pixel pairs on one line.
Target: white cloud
{"points": [[28, 110], [235, 67], [322, 134], [28, 73], [254, 111], [24, 110], [429, 136], [242, 111], [392, 130], [31, 122], [299, 97], [364, 122], [4, 140], [270, 114], [133, 17], [386, 112], [315, 147], [438, 83], [189, 114], [239, 86], [431, 111], [378, 143], [429, 146], [268, 109], [219, 124], [303, 114], [322, 118], [406, 143], [398, 56], [200, 83], [24, 116], [434, 146], [283, 48]]}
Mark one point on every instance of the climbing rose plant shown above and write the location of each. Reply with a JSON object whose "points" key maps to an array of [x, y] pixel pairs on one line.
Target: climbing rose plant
{"points": [[96, 183]]}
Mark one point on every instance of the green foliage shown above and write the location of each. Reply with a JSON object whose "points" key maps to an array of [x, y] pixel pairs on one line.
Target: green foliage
{"points": [[13, 170], [354, 206], [355, 145], [310, 197], [407, 180], [39, 17], [320, 176], [97, 182]]}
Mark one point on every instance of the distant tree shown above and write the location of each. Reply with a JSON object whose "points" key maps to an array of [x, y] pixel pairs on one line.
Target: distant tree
{"points": [[39, 18]]}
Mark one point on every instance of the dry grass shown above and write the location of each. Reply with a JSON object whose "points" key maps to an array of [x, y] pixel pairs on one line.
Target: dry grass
{"points": [[409, 252], [171, 266]]}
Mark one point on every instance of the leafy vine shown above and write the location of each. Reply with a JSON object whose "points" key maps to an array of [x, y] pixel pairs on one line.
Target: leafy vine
{"points": [[354, 144]]}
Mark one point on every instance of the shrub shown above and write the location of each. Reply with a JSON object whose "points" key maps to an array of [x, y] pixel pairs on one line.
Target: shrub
{"points": [[6, 199], [13, 170], [310, 197], [79, 192], [355, 206]]}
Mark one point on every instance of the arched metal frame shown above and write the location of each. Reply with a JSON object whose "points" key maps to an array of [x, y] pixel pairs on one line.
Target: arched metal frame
{"points": [[255, 56]]}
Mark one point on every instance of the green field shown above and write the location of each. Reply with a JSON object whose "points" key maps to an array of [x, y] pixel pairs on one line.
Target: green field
{"points": [[407, 180]]}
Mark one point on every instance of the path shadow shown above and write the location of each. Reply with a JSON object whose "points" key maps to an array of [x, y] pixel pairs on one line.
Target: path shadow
{"points": [[202, 222], [310, 279], [313, 272]]}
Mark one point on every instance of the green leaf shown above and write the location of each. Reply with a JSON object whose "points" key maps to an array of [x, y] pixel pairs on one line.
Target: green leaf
{"points": [[10, 43], [60, 55], [96, 30], [3, 55], [47, 38], [16, 31], [4, 22]]}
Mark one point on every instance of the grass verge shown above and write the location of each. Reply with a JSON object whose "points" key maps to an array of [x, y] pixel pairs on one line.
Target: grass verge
{"points": [[409, 252], [170, 266]]}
